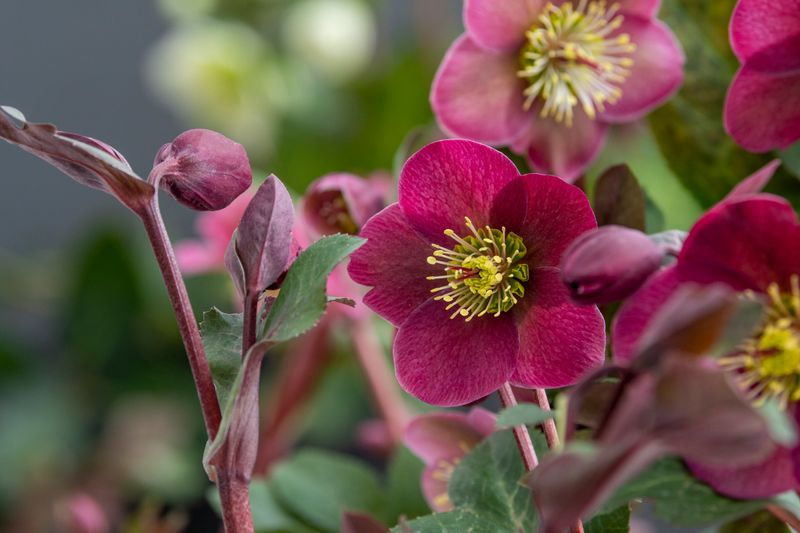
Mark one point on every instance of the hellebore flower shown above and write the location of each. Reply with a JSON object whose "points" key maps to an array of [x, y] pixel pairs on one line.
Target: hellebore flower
{"points": [[441, 440], [547, 78], [466, 266], [752, 245], [609, 264], [342, 203], [762, 109], [671, 399], [202, 169]]}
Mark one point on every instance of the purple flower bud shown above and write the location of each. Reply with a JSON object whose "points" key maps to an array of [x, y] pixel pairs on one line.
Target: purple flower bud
{"points": [[202, 169], [608, 264]]}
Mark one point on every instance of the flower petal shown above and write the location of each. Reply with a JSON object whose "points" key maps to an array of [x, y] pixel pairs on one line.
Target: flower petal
{"points": [[557, 213], [500, 26], [559, 341], [638, 311], [762, 110], [656, 74], [566, 151], [451, 179], [477, 94], [754, 183], [757, 25], [643, 8], [746, 244], [393, 262], [434, 488], [447, 362], [771, 477], [442, 435]]}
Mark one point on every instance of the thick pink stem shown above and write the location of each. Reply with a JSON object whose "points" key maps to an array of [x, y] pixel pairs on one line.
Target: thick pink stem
{"points": [[521, 434]]}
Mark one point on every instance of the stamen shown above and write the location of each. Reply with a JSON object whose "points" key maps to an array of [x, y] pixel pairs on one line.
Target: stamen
{"points": [[572, 59]]}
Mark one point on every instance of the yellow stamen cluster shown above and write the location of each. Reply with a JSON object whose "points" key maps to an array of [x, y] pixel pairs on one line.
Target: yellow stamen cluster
{"points": [[482, 272], [572, 59], [767, 365]]}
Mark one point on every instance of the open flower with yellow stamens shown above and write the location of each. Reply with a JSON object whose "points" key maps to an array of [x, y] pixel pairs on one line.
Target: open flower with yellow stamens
{"points": [[466, 266], [751, 244], [547, 78]]}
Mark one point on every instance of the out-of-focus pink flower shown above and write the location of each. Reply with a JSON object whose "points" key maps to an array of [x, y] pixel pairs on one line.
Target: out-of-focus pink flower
{"points": [[80, 513], [751, 244], [207, 253], [466, 266], [762, 110], [342, 202], [548, 78], [441, 440]]}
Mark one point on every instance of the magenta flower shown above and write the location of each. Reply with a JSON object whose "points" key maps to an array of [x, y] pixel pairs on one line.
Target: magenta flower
{"points": [[547, 78], [466, 266], [441, 440], [751, 244], [762, 110], [342, 202]]}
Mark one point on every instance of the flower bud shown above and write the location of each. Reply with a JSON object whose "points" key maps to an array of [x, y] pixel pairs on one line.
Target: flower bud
{"points": [[608, 264], [342, 203], [202, 169]]}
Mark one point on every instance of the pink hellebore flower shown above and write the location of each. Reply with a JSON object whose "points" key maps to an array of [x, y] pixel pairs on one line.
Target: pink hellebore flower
{"points": [[762, 110], [547, 78], [466, 266], [751, 244], [441, 440]]}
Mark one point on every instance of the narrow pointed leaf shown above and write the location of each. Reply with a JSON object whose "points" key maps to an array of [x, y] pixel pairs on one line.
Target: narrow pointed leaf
{"points": [[222, 338]]}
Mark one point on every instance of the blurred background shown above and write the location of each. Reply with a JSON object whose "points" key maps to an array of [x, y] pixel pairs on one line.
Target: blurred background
{"points": [[99, 422]]}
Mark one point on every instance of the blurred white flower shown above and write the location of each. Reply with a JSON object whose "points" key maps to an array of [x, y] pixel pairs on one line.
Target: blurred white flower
{"points": [[222, 75], [336, 38]]}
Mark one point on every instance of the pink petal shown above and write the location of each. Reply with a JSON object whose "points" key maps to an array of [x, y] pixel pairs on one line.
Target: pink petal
{"points": [[194, 257], [393, 262], [754, 183], [434, 487], [566, 151], [441, 435], [500, 26], [746, 244], [448, 180], [477, 94], [771, 477], [757, 25], [557, 213], [762, 110], [656, 74], [559, 341], [643, 8], [638, 311], [447, 362]]}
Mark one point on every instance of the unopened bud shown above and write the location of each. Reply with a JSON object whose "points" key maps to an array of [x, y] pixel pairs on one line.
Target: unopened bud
{"points": [[202, 169], [608, 264]]}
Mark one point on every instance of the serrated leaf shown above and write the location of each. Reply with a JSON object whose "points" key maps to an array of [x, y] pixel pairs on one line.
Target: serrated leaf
{"points": [[689, 128], [458, 521], [680, 498], [222, 338], [617, 521], [524, 414], [302, 300], [318, 485]]}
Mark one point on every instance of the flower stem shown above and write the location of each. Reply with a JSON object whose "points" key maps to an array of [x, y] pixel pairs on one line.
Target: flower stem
{"points": [[234, 496], [784, 516], [551, 435], [380, 378], [521, 434], [250, 318]]}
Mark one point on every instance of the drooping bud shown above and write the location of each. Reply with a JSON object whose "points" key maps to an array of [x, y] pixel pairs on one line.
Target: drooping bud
{"points": [[202, 169], [608, 264], [342, 203]]}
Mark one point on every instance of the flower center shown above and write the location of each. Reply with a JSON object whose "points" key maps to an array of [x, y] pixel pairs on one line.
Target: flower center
{"points": [[571, 59], [334, 211], [482, 272], [767, 365]]}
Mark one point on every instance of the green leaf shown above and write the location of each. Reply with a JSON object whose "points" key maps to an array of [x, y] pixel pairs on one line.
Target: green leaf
{"points": [[317, 486], [617, 521], [404, 492], [222, 338], [680, 498], [760, 522], [458, 521], [689, 128], [524, 414], [302, 300]]}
